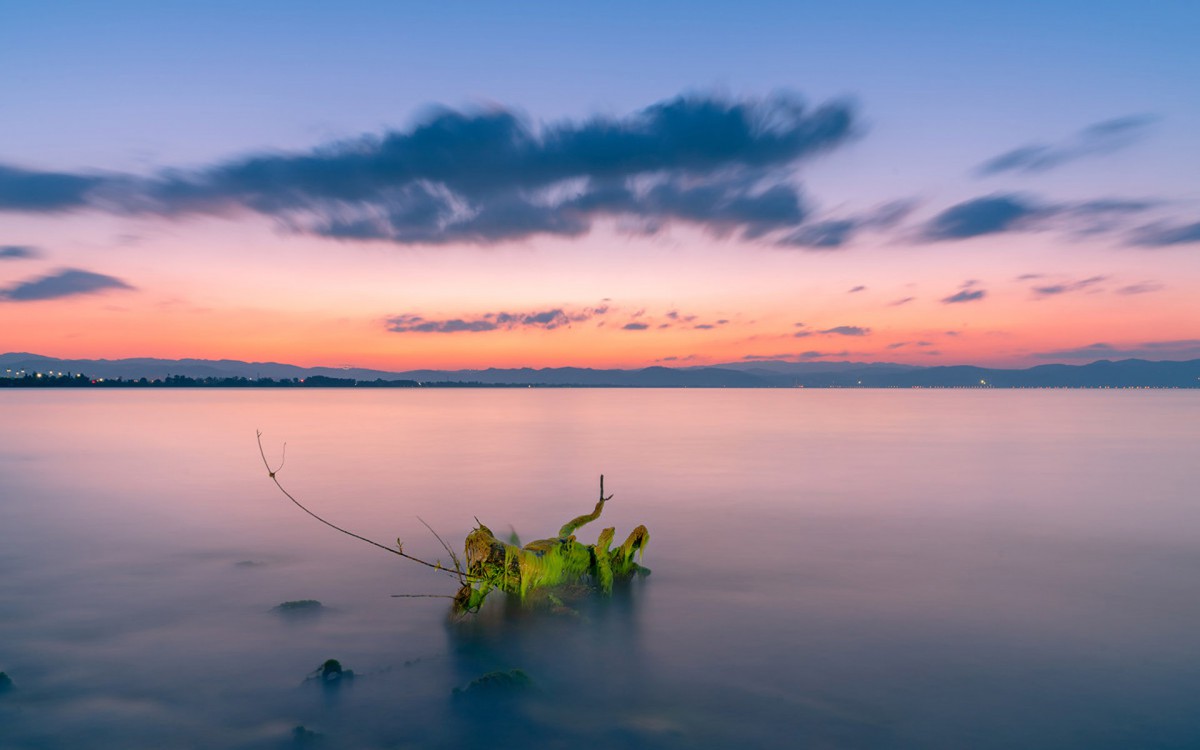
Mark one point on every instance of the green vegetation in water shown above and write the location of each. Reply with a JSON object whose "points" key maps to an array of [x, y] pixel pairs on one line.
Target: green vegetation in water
{"points": [[548, 564], [560, 564]]}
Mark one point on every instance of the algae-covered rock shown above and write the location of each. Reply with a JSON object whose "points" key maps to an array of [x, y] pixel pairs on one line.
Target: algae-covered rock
{"points": [[300, 607]]}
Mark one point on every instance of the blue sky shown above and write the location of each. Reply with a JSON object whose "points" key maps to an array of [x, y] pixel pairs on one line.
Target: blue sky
{"points": [[937, 89]]}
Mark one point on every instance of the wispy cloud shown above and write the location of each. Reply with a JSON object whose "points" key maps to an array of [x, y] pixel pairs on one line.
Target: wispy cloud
{"points": [[968, 293], [832, 234], [18, 252], [1172, 349], [1051, 290], [847, 331], [547, 320], [491, 175], [1000, 213], [1165, 235], [1142, 287], [67, 282], [1095, 140]]}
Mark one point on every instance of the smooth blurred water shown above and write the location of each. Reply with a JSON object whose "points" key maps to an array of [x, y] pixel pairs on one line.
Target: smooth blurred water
{"points": [[832, 569]]}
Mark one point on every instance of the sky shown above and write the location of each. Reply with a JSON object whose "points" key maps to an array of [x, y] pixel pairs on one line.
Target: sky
{"points": [[538, 184]]}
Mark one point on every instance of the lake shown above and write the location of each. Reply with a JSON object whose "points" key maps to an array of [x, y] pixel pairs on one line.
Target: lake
{"points": [[831, 568]]}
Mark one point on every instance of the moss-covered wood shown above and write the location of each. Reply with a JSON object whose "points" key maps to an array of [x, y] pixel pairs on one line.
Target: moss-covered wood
{"points": [[548, 563]]}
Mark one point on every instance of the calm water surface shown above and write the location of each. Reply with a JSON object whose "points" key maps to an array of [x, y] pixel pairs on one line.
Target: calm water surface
{"points": [[832, 569]]}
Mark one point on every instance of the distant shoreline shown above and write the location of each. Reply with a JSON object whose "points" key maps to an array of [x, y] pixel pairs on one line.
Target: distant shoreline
{"points": [[23, 370], [38, 382]]}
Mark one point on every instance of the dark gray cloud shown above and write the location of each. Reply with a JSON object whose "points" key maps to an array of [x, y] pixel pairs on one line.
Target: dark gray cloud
{"points": [[1174, 349], [491, 175], [987, 215], [847, 331], [832, 234], [67, 282], [814, 354], [1051, 290], [44, 192], [546, 320], [966, 295], [635, 326], [1010, 212], [901, 301], [858, 288], [1164, 235], [1096, 140], [18, 252]]}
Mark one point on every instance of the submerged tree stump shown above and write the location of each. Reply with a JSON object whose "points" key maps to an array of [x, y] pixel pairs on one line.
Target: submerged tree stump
{"points": [[547, 563]]}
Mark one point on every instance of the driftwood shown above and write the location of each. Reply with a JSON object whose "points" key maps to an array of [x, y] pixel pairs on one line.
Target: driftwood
{"points": [[545, 565], [548, 563]]}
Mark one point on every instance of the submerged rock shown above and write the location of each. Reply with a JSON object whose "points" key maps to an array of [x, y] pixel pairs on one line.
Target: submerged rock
{"points": [[331, 673], [303, 737], [300, 606], [6, 683], [497, 684]]}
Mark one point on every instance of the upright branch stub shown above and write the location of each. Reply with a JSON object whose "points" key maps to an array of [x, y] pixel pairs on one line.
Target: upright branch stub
{"points": [[569, 528], [399, 550]]}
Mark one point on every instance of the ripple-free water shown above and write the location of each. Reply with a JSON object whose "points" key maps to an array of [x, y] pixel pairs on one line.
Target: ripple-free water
{"points": [[832, 569]]}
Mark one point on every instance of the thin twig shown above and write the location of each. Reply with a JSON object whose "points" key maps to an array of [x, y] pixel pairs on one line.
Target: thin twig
{"points": [[422, 596], [272, 472], [453, 557]]}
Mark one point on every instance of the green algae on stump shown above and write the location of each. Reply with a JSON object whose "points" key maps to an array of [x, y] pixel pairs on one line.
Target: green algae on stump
{"points": [[548, 563]]}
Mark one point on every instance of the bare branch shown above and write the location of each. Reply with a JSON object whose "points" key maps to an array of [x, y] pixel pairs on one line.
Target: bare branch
{"points": [[272, 474]]}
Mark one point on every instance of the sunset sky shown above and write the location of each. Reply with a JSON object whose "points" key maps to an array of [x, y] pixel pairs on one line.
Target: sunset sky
{"points": [[403, 185]]}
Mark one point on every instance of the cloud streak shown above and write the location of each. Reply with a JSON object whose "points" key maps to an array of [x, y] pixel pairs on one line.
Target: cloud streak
{"points": [[846, 331], [18, 252], [1173, 349], [833, 234], [546, 320], [67, 282], [1095, 140], [1053, 290], [1009, 212], [1166, 235]]}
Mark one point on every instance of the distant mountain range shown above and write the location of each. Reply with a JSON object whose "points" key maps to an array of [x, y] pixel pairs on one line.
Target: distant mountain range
{"points": [[758, 374]]}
